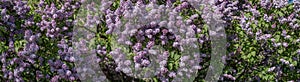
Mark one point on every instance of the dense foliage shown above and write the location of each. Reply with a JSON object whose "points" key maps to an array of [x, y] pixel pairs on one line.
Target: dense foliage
{"points": [[37, 39]]}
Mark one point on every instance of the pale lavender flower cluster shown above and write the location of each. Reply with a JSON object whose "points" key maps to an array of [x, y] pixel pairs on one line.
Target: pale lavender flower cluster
{"points": [[52, 16], [149, 32], [57, 22], [65, 53], [280, 3], [26, 56], [154, 25], [189, 67], [23, 55], [101, 50]]}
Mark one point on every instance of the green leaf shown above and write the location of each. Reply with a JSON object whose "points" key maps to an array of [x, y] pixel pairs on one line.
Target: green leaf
{"points": [[254, 41], [155, 79], [277, 38], [291, 7], [280, 51], [176, 65], [19, 44], [253, 53], [236, 45], [267, 25], [280, 13], [253, 25], [244, 57], [295, 63], [170, 66], [283, 9], [176, 57]]}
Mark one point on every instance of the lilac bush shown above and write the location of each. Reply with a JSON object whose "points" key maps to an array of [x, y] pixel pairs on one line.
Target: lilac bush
{"points": [[149, 40]]}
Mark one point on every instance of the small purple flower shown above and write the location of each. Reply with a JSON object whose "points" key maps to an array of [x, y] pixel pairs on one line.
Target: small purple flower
{"points": [[150, 44], [285, 44], [271, 69], [165, 31], [172, 74]]}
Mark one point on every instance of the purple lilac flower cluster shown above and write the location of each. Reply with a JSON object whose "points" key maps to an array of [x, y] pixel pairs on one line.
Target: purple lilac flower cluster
{"points": [[57, 23], [52, 16], [24, 58], [156, 28]]}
